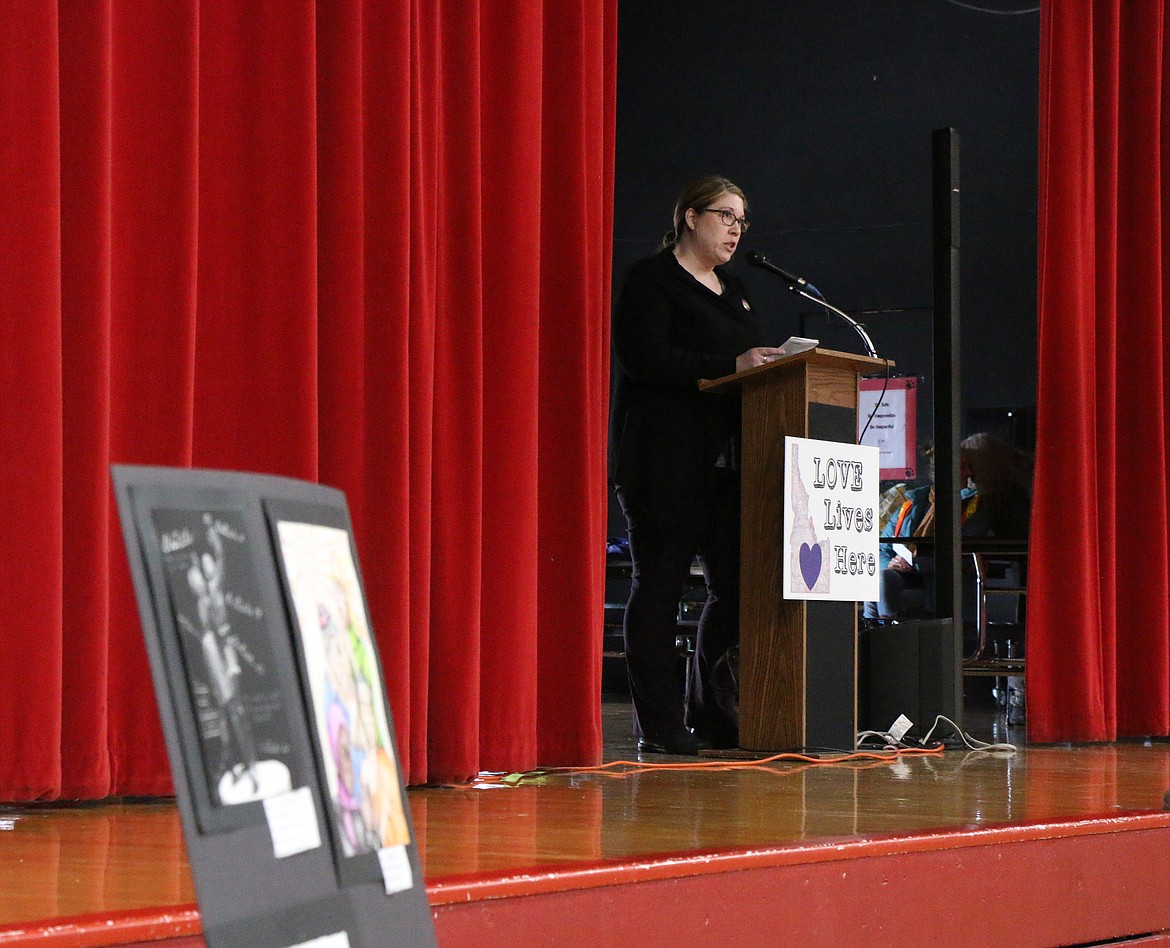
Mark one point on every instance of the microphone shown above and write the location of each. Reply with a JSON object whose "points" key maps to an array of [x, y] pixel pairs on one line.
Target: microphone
{"points": [[757, 259]]}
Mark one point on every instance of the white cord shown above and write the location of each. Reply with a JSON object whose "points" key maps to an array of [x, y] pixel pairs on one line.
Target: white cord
{"points": [[888, 740], [969, 741]]}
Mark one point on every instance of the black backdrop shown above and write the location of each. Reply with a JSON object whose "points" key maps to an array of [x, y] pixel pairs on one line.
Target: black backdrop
{"points": [[822, 110]]}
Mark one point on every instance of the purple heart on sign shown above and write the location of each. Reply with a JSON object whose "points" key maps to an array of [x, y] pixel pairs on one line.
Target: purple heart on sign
{"points": [[810, 563]]}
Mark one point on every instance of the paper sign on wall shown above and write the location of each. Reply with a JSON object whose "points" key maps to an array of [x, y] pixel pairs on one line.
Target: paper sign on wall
{"points": [[830, 520], [890, 407]]}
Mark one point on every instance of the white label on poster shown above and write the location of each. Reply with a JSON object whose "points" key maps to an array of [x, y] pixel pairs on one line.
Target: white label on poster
{"points": [[292, 822], [338, 940], [396, 872], [830, 520]]}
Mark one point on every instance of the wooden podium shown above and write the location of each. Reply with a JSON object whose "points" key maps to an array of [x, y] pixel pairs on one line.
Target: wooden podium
{"points": [[798, 658]]}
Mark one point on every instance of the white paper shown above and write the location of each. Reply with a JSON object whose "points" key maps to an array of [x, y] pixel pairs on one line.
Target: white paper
{"points": [[795, 344], [903, 551], [899, 728], [396, 874], [292, 822]]}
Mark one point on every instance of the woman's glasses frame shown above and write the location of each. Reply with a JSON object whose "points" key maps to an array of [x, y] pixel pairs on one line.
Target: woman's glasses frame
{"points": [[728, 217]]}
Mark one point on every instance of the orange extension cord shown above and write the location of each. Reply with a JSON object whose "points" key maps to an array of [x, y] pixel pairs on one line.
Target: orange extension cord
{"points": [[627, 768]]}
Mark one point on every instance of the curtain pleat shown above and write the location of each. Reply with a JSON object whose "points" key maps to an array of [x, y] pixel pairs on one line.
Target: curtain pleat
{"points": [[154, 195], [1098, 612], [342, 319], [568, 206], [456, 422], [511, 55], [358, 242], [31, 401], [86, 248], [393, 451], [1142, 603]]}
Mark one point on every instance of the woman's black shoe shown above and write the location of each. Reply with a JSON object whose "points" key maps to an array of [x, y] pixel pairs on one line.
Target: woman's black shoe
{"points": [[683, 745]]}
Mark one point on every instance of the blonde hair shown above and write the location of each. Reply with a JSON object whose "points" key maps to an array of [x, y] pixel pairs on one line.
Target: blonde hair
{"points": [[698, 194]]}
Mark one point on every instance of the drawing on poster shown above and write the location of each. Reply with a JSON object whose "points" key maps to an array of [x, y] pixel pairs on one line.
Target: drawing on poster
{"points": [[227, 654], [809, 569], [339, 661]]}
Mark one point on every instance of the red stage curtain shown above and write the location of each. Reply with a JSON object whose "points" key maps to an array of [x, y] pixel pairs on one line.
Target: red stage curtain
{"points": [[1099, 596], [361, 242]]}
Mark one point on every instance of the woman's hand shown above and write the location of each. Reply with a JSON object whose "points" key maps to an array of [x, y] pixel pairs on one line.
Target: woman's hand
{"points": [[900, 565], [760, 355]]}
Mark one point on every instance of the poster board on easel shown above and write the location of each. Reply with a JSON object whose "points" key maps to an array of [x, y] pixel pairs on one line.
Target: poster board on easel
{"points": [[294, 812]]}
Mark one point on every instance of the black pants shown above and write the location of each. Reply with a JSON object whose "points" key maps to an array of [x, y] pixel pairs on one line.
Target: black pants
{"points": [[662, 554]]}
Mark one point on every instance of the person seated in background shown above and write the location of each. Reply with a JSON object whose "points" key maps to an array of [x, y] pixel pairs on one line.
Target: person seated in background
{"points": [[890, 504], [902, 569], [1000, 474], [997, 475]]}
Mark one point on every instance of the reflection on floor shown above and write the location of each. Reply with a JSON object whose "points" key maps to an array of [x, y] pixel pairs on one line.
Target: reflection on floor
{"points": [[581, 817], [83, 861]]}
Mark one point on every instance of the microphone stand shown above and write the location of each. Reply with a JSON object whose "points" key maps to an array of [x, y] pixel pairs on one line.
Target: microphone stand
{"points": [[821, 301], [802, 287]]}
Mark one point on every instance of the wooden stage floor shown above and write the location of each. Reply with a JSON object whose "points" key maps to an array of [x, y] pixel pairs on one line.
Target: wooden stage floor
{"points": [[1048, 845]]}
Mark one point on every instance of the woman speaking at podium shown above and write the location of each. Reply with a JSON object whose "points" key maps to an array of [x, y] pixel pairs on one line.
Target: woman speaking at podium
{"points": [[681, 316]]}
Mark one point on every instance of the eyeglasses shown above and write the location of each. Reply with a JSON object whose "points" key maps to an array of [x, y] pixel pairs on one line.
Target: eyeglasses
{"points": [[728, 217]]}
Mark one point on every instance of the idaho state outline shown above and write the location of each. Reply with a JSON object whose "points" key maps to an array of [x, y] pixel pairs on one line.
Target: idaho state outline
{"points": [[809, 568]]}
